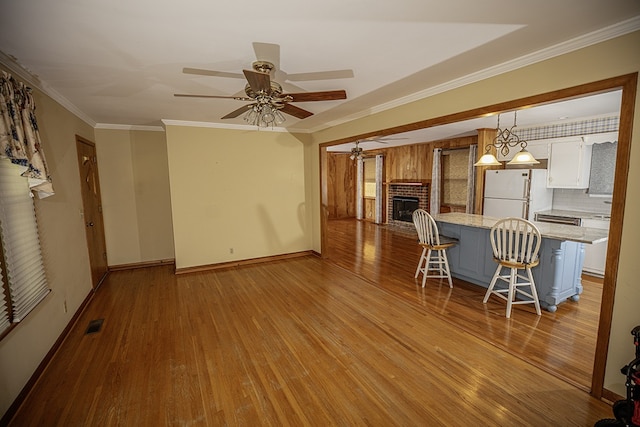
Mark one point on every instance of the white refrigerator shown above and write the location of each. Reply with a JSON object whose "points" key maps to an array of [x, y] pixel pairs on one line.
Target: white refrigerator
{"points": [[516, 193]]}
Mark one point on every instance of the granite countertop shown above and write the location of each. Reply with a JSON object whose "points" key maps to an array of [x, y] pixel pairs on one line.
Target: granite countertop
{"points": [[572, 233], [576, 214]]}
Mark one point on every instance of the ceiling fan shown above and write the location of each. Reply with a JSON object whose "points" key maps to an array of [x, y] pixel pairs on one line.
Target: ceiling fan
{"points": [[357, 152], [267, 100]]}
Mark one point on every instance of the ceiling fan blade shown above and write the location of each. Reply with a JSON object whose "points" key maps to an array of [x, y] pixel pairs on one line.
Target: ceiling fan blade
{"points": [[236, 113], [201, 72], [237, 98], [382, 139], [259, 82], [321, 75], [294, 111], [329, 95], [267, 52]]}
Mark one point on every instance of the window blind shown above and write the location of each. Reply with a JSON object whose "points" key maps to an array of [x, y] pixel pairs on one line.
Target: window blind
{"points": [[5, 321], [24, 275]]}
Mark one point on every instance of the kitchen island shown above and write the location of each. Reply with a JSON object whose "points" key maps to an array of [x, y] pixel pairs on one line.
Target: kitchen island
{"points": [[557, 277]]}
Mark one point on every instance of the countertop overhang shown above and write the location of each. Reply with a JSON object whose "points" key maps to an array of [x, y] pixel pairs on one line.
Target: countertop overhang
{"points": [[572, 233]]}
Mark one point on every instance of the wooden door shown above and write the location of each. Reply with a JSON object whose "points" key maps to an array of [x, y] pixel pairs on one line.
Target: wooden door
{"points": [[92, 204]]}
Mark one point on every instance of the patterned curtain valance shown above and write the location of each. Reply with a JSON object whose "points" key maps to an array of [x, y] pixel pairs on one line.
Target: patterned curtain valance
{"points": [[19, 136]]}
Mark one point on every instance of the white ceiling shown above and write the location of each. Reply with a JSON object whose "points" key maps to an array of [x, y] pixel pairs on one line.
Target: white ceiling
{"points": [[119, 62]]}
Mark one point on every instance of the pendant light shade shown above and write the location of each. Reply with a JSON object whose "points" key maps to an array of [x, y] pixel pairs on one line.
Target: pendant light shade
{"points": [[487, 160], [523, 157]]}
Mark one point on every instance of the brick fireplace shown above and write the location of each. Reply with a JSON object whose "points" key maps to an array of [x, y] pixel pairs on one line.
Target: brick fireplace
{"points": [[405, 193]]}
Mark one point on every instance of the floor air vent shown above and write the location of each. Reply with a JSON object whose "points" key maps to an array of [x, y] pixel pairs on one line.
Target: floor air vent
{"points": [[94, 326]]}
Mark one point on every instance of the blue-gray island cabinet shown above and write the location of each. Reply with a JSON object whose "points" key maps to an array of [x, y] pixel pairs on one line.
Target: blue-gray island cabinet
{"points": [[557, 277]]}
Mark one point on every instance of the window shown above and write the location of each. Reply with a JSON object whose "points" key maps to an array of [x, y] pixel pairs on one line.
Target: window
{"points": [[369, 177], [23, 282], [454, 179]]}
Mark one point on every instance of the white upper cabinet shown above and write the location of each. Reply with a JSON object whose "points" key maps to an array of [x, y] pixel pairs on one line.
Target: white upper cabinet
{"points": [[569, 164]]}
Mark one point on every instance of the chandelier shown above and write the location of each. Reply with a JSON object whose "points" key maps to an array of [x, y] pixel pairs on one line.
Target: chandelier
{"points": [[505, 140]]}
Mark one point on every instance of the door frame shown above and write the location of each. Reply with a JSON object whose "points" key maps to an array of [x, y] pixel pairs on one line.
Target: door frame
{"points": [[628, 84], [96, 280]]}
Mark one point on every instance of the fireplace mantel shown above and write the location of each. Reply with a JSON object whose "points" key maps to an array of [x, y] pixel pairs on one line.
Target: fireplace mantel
{"points": [[418, 183]]}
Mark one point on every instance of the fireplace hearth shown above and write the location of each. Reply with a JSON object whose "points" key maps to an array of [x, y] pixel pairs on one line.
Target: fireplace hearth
{"points": [[403, 208]]}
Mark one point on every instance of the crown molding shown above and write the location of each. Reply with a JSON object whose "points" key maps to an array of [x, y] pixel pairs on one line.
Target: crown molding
{"points": [[34, 81], [599, 36], [110, 126], [168, 122]]}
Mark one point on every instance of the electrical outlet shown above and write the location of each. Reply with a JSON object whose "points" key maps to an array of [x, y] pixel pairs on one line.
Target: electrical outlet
{"points": [[230, 250]]}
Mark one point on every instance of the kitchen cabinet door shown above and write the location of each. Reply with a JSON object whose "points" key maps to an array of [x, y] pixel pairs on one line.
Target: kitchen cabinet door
{"points": [[569, 164]]}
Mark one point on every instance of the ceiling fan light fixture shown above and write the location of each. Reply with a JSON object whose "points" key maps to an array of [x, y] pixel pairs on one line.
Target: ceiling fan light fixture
{"points": [[251, 117], [356, 152], [279, 117], [266, 115]]}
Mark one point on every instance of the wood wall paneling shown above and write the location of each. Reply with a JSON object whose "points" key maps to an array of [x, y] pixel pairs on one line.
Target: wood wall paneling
{"points": [[341, 186], [407, 162], [411, 162], [414, 162], [369, 209]]}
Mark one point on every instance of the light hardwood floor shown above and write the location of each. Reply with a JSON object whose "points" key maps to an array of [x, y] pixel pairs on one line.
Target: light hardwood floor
{"points": [[562, 343], [303, 341]]}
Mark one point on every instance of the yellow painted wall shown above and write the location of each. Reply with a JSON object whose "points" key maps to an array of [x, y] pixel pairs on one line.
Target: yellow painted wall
{"points": [[235, 191], [66, 259], [134, 180], [613, 58]]}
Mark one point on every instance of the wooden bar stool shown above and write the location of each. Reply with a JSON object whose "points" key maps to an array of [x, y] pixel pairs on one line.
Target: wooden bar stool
{"points": [[433, 261], [515, 243]]}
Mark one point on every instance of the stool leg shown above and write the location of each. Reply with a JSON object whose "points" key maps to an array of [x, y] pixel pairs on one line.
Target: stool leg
{"points": [[446, 267], [420, 262], [512, 286], [492, 284], [534, 292], [426, 268]]}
